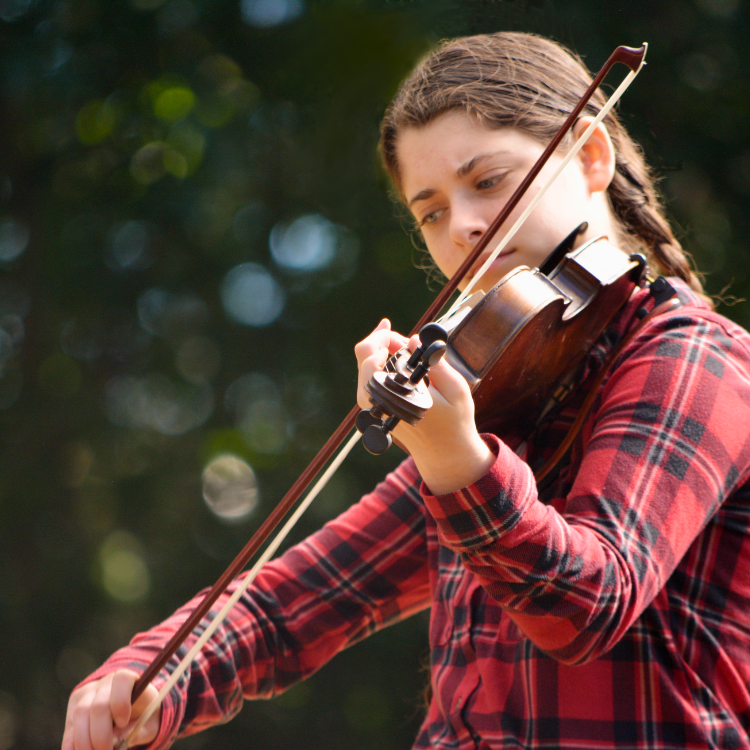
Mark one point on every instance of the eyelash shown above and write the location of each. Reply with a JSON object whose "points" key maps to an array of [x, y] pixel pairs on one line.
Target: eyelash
{"points": [[426, 219], [494, 180]]}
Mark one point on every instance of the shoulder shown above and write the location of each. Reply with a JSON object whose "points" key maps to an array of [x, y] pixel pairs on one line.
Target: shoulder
{"points": [[685, 331]]}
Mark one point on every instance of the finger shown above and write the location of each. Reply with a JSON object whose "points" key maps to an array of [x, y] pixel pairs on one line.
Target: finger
{"points": [[81, 719], [367, 368], [378, 339], [449, 383], [150, 729], [121, 692], [147, 733], [396, 342], [144, 700], [68, 739], [381, 338], [100, 716]]}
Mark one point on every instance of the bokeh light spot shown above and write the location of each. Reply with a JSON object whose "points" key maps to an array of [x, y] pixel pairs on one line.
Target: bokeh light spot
{"points": [[230, 487], [169, 314], [701, 72], [256, 403], [14, 327], [147, 164], [14, 239], [219, 69], [307, 244], [186, 144], [12, 10], [95, 121], [175, 163], [264, 14], [77, 461], [158, 403], [82, 339], [174, 103], [127, 246], [252, 296], [124, 572]]}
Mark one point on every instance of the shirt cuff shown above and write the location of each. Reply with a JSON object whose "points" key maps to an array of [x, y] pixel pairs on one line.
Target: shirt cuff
{"points": [[483, 512]]}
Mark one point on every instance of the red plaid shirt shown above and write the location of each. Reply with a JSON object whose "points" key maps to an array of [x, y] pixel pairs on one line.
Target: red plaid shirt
{"points": [[611, 612]]}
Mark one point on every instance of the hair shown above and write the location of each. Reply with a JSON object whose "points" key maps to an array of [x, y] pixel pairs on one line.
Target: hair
{"points": [[524, 81]]}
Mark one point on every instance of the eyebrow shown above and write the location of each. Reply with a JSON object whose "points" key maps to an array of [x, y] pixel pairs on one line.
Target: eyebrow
{"points": [[462, 171]]}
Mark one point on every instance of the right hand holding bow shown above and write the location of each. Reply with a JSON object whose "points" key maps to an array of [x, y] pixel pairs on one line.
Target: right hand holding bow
{"points": [[100, 713]]}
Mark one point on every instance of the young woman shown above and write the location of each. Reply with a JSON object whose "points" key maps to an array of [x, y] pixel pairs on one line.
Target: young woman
{"points": [[610, 610]]}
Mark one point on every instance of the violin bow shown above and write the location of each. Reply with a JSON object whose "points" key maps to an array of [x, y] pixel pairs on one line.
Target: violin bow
{"points": [[632, 57]]}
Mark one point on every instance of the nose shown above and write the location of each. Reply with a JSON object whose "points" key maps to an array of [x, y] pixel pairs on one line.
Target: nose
{"points": [[467, 225]]}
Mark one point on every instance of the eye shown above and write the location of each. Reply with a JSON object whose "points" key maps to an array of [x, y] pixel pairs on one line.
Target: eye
{"points": [[432, 217], [489, 182]]}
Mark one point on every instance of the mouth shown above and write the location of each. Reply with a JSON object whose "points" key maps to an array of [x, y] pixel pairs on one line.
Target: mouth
{"points": [[483, 259]]}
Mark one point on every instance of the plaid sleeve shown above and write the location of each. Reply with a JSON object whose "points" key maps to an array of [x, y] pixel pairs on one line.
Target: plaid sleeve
{"points": [[361, 572], [667, 443]]}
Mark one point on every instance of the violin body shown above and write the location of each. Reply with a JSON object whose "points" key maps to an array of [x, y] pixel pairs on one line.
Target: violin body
{"points": [[518, 342]]}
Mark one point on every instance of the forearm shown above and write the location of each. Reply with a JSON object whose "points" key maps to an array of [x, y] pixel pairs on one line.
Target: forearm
{"points": [[665, 446], [364, 570]]}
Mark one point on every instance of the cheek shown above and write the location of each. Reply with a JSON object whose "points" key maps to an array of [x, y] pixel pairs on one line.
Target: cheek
{"points": [[441, 256]]}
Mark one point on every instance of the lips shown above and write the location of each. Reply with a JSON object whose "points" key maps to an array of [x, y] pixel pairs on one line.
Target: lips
{"points": [[483, 259]]}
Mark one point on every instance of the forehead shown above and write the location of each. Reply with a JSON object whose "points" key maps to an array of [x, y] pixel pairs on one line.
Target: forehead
{"points": [[441, 147]]}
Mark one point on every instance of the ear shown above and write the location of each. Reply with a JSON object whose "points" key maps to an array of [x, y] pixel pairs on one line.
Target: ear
{"points": [[597, 156]]}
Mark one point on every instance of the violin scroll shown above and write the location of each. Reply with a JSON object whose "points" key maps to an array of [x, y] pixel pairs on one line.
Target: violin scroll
{"points": [[400, 391]]}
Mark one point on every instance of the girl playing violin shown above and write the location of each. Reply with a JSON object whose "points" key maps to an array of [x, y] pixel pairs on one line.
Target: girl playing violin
{"points": [[610, 609]]}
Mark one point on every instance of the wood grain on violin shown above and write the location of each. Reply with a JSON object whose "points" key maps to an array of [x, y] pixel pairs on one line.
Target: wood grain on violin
{"points": [[530, 331]]}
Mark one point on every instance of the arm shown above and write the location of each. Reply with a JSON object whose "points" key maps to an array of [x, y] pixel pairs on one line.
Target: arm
{"points": [[361, 572], [667, 444]]}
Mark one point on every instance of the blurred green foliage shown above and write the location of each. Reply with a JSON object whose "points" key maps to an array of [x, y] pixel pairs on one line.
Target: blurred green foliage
{"points": [[194, 231]]}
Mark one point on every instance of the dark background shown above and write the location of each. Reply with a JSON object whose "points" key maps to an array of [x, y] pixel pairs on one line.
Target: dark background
{"points": [[163, 163]]}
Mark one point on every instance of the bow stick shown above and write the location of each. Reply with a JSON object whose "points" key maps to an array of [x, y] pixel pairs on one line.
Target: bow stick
{"points": [[634, 59]]}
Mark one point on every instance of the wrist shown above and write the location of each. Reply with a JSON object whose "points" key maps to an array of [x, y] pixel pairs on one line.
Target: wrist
{"points": [[455, 467]]}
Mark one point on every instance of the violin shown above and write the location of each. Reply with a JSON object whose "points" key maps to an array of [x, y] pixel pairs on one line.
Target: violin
{"points": [[513, 345], [566, 302]]}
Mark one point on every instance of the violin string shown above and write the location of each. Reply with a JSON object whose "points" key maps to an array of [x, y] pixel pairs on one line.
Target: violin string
{"points": [[532, 205], [241, 589]]}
